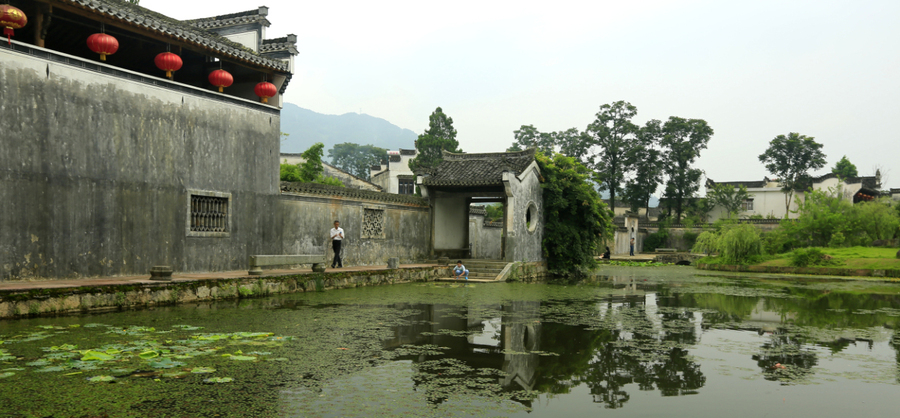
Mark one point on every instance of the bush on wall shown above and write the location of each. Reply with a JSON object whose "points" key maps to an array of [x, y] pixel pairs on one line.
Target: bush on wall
{"points": [[577, 220]]}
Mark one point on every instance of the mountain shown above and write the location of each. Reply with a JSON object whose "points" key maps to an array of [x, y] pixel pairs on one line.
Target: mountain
{"points": [[307, 127]]}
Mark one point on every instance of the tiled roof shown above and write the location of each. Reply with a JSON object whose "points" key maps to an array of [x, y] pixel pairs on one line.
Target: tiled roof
{"points": [[478, 169], [287, 43], [407, 151], [748, 184], [394, 158], [477, 210], [184, 31], [239, 18], [345, 192]]}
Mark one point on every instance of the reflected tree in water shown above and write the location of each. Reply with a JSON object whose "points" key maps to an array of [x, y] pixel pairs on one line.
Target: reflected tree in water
{"points": [[786, 350]]}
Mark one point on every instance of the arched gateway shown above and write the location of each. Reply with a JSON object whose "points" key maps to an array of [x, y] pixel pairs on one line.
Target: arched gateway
{"points": [[510, 178]]}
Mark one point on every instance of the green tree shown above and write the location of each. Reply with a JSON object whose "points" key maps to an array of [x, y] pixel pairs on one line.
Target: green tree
{"points": [[877, 220], [824, 219], [728, 197], [614, 135], [494, 212], [529, 137], [683, 139], [440, 136], [645, 159], [577, 220], [357, 159], [790, 158], [310, 170], [844, 169]]}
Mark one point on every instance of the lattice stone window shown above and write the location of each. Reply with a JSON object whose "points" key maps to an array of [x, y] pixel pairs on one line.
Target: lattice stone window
{"points": [[373, 222], [747, 205], [208, 214]]}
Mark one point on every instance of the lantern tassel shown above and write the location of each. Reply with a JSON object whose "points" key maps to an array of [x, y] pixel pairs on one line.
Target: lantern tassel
{"points": [[8, 31], [102, 57], [265, 100], [221, 89], [168, 74]]}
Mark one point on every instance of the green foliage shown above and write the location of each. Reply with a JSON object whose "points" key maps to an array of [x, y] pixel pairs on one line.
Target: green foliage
{"points": [[728, 197], [529, 137], [645, 160], [494, 212], [790, 158], [659, 239], [310, 171], [311, 168], [440, 136], [706, 243], [577, 220], [827, 220], [740, 244], [683, 140], [805, 257], [615, 137], [777, 241], [844, 169], [357, 159]]}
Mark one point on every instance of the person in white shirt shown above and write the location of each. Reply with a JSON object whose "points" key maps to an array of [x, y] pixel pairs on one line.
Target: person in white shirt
{"points": [[337, 235]]}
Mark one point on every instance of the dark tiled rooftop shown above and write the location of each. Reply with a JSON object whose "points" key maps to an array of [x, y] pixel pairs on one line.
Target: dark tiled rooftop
{"points": [[185, 31], [484, 169]]}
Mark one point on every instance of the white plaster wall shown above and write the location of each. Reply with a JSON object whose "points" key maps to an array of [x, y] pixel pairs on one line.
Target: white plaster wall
{"points": [[248, 39], [451, 217]]}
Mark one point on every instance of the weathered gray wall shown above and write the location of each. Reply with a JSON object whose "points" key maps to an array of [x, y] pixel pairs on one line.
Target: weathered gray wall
{"points": [[451, 215], [309, 211], [485, 241], [95, 171], [523, 242]]}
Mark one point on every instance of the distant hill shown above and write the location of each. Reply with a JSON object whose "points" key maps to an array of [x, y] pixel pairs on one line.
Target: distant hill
{"points": [[307, 127]]}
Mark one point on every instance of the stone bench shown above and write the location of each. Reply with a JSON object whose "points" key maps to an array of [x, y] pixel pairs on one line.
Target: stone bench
{"points": [[257, 262], [666, 250]]}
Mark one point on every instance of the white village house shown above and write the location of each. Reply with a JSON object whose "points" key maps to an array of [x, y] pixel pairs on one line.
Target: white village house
{"points": [[767, 199]]}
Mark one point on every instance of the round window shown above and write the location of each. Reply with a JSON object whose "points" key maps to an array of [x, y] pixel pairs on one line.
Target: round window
{"points": [[531, 217]]}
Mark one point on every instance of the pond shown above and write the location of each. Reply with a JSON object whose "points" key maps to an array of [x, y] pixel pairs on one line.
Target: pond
{"points": [[630, 342]]}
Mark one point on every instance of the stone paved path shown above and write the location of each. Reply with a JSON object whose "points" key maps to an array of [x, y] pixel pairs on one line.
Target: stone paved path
{"points": [[21, 285]]}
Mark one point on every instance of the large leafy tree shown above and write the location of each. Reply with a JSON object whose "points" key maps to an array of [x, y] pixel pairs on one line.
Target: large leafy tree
{"points": [[612, 137], [356, 159], [728, 197], [439, 136], [845, 169], [576, 218], [790, 158], [529, 137], [645, 159], [682, 140]]}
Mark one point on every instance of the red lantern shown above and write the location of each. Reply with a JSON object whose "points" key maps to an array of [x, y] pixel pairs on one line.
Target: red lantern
{"points": [[103, 44], [265, 90], [168, 62], [221, 79], [11, 18]]}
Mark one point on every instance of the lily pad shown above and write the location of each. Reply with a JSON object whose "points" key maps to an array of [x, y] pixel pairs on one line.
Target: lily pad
{"points": [[146, 355], [4, 375], [218, 380], [165, 363], [91, 355], [203, 370], [176, 375], [101, 379], [243, 358]]}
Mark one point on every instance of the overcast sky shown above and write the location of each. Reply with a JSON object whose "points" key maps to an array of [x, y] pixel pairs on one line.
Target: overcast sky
{"points": [[751, 69]]}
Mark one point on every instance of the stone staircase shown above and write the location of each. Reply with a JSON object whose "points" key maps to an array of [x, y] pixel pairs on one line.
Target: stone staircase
{"points": [[482, 271]]}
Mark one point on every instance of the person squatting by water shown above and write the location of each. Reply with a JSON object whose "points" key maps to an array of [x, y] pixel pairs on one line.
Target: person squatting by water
{"points": [[607, 254], [460, 269], [337, 235]]}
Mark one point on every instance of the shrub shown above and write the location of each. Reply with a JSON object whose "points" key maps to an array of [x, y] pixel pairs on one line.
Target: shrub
{"points": [[740, 244], [656, 240], [804, 257], [576, 219], [690, 238], [776, 242], [707, 242]]}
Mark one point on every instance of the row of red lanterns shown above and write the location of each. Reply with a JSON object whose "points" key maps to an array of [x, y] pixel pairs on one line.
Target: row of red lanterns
{"points": [[12, 18]]}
